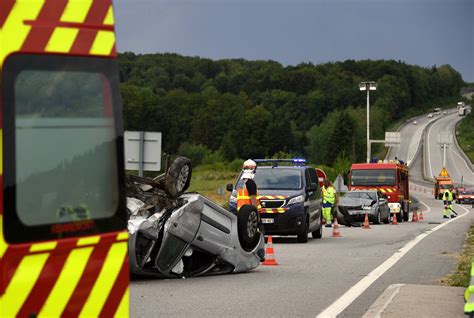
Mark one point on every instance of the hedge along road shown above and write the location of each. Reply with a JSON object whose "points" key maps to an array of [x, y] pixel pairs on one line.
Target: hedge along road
{"points": [[312, 277]]}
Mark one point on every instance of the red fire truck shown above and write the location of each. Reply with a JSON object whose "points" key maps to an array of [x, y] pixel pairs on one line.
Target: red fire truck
{"points": [[391, 178], [63, 239]]}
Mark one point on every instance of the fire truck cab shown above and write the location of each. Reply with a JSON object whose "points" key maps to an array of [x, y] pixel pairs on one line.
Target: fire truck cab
{"points": [[391, 178]]}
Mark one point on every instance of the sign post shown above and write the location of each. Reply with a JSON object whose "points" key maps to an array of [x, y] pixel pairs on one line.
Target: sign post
{"points": [[142, 151]]}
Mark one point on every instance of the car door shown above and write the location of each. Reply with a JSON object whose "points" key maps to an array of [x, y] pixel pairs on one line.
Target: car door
{"points": [[313, 197]]}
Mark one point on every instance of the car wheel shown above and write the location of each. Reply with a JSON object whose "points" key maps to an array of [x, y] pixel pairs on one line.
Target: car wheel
{"points": [[377, 219], [406, 215], [387, 219], [248, 227], [303, 236], [319, 232], [399, 216], [178, 177]]}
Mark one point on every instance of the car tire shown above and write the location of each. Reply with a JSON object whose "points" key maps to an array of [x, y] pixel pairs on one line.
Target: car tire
{"points": [[399, 216], [319, 232], [303, 236], [178, 177], [406, 214], [248, 227], [387, 219], [377, 218]]}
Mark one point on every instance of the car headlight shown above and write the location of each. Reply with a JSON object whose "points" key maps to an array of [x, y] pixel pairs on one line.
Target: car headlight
{"points": [[233, 199], [366, 208], [298, 199]]}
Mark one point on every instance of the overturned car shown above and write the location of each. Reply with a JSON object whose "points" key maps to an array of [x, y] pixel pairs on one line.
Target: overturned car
{"points": [[177, 234]]}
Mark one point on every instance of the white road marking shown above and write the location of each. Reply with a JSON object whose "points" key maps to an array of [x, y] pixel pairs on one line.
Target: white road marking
{"points": [[428, 209], [355, 291], [390, 299], [429, 152]]}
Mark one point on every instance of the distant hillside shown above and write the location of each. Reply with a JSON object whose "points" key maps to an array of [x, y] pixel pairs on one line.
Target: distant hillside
{"points": [[247, 109]]}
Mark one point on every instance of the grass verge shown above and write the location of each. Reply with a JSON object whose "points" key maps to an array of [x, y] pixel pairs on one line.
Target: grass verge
{"points": [[462, 274], [465, 135]]}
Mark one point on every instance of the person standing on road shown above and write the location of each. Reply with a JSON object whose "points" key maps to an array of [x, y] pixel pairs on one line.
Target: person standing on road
{"points": [[448, 203], [329, 201], [247, 188]]}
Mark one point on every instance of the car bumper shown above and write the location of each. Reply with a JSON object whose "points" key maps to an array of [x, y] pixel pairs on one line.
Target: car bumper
{"points": [[289, 222], [360, 214], [465, 200]]}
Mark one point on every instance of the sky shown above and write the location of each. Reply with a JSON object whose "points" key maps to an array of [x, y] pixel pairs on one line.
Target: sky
{"points": [[419, 32]]}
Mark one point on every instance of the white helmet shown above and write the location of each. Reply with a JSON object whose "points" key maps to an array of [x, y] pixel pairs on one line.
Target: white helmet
{"points": [[249, 164], [248, 169]]}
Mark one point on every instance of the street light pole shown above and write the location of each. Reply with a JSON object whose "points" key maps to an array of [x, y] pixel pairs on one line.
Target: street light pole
{"points": [[368, 86]]}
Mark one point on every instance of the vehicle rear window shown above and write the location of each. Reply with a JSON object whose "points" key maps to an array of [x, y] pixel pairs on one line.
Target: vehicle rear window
{"points": [[372, 177], [61, 144], [278, 179]]}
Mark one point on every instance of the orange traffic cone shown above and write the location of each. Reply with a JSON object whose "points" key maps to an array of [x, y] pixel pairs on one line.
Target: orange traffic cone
{"points": [[335, 229], [366, 221], [420, 218], [269, 255], [414, 218], [394, 219]]}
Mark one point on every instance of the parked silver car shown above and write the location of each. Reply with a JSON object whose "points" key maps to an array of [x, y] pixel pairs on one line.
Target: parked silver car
{"points": [[176, 234], [373, 202]]}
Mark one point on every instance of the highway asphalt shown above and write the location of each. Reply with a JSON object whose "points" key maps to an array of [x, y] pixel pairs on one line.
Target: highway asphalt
{"points": [[331, 276]]}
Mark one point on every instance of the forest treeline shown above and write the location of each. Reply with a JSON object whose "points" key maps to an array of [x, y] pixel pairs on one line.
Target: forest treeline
{"points": [[234, 108]]}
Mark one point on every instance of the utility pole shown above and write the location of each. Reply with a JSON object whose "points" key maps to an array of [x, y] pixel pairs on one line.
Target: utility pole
{"points": [[368, 86], [445, 139]]}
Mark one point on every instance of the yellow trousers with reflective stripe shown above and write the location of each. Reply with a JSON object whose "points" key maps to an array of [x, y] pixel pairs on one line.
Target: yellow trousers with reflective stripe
{"points": [[327, 214]]}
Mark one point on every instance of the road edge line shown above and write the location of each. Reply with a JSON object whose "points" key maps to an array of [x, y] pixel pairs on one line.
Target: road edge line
{"points": [[362, 285], [390, 299]]}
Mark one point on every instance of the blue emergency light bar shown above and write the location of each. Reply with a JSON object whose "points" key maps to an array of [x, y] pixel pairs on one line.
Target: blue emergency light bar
{"points": [[274, 162]]}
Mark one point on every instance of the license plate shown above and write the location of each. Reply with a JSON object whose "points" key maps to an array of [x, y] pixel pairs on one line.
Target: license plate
{"points": [[267, 221]]}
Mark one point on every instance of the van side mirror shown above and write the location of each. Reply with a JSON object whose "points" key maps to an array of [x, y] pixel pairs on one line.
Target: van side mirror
{"points": [[229, 187]]}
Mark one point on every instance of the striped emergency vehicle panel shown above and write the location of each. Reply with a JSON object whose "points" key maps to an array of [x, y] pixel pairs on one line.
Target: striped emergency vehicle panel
{"points": [[385, 190], [79, 27], [279, 199], [272, 197], [270, 210], [75, 277]]}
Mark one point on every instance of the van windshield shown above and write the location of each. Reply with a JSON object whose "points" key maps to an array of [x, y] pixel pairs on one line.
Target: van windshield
{"points": [[278, 179]]}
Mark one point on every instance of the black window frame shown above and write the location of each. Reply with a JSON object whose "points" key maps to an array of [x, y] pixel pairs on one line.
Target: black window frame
{"points": [[14, 230]]}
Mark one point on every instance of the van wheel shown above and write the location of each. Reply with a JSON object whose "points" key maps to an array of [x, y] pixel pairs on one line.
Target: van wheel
{"points": [[303, 236], [319, 232], [178, 177], [248, 227]]}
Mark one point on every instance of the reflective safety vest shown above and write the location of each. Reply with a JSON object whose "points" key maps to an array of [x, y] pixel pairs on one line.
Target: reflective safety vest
{"points": [[469, 293], [243, 197], [450, 195], [329, 195]]}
